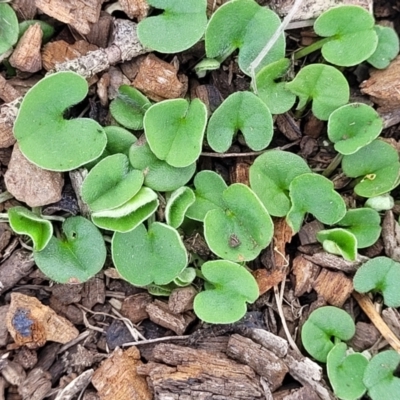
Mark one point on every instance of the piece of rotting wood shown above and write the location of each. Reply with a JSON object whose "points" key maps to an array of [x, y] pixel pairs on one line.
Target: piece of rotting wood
{"points": [[306, 273]]}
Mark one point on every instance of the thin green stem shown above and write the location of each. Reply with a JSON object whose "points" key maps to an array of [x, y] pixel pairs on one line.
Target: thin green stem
{"points": [[333, 165], [53, 218], [311, 48]]}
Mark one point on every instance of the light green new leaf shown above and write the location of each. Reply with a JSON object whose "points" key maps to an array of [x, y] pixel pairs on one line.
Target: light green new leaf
{"points": [[241, 228], [244, 112], [314, 194], [8, 27], [339, 241], [111, 183], [45, 137], [179, 27], [387, 49], [243, 25], [119, 140], [352, 38], [324, 85], [143, 257], [75, 258], [270, 177], [230, 287], [177, 205], [25, 222], [175, 129]]}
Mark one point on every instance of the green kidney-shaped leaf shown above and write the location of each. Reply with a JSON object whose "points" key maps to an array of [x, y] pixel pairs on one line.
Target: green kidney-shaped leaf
{"points": [[380, 274], [25, 222], [241, 229], [242, 111], [314, 194], [387, 49], [209, 187], [377, 164], [119, 140], [45, 137], [346, 372], [353, 126], [129, 107], [8, 27], [130, 214], [270, 177], [158, 174], [275, 94], [379, 376], [245, 25], [324, 324], [175, 129], [351, 32], [324, 85], [143, 257], [232, 287], [177, 205], [179, 27], [75, 258], [111, 183], [364, 224], [339, 241]]}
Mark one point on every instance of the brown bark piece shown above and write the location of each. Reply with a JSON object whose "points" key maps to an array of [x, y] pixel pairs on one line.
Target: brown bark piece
{"points": [[22, 179], [160, 314], [304, 393], [365, 337], [31, 323], [135, 8], [80, 14], [306, 273], [75, 386], [289, 127], [7, 91], [26, 56], [391, 236], [239, 172], [25, 9], [134, 307], [116, 378], [392, 317], [36, 386], [8, 113], [334, 287], [94, 292], [116, 79], [12, 372], [384, 86], [331, 261], [3, 327], [100, 31], [25, 357], [266, 279], [158, 80], [263, 361], [308, 232], [181, 299], [200, 374], [5, 235]]}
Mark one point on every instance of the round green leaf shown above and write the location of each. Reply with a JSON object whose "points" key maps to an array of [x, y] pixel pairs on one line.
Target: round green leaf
{"points": [[339, 241], [243, 25], [275, 94], [270, 177], [387, 49], [379, 376], [45, 137], [111, 183], [209, 187], [364, 224], [179, 27], [346, 372], [377, 164], [130, 214], [8, 27], [175, 129], [158, 174], [25, 222], [75, 258], [177, 205], [232, 287], [241, 229], [353, 126], [314, 194], [324, 324], [352, 34], [380, 274], [119, 140], [324, 85], [242, 111], [143, 257], [129, 107]]}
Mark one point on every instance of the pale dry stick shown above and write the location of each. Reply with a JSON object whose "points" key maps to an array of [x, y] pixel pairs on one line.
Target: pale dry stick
{"points": [[256, 62], [162, 339], [368, 307]]}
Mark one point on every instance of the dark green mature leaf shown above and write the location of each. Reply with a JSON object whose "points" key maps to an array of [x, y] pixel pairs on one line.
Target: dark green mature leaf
{"points": [[8, 27]]}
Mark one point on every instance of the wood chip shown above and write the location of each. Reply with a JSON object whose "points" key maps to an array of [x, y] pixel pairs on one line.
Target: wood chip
{"points": [[7, 91], [3, 328], [32, 324], [181, 299], [331, 261], [135, 8], [36, 386], [391, 236], [22, 179], [308, 232], [116, 378], [365, 337], [25, 9], [306, 273], [134, 307], [100, 31], [334, 287]]}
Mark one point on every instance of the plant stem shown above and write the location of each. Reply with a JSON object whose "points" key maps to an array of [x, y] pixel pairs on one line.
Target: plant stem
{"points": [[5, 196], [53, 218], [311, 48], [333, 165]]}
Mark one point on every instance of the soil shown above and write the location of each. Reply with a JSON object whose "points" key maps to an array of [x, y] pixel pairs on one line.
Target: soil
{"points": [[106, 339]]}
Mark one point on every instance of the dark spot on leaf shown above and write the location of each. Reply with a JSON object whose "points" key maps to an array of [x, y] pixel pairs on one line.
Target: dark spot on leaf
{"points": [[234, 241]]}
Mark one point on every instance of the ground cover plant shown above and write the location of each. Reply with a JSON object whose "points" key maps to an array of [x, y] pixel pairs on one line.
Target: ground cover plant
{"points": [[147, 191]]}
